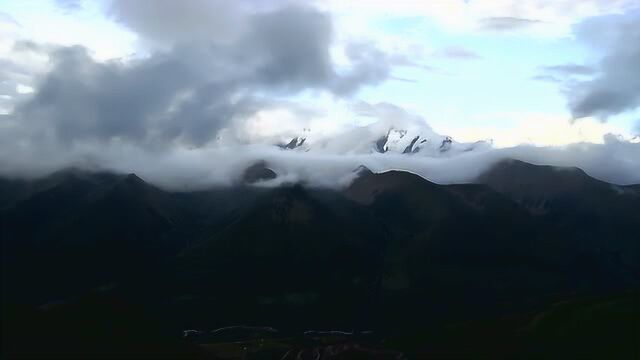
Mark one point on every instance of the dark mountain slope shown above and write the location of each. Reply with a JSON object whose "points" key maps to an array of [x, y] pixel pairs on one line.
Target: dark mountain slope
{"points": [[14, 191], [297, 256], [449, 245], [84, 231], [543, 189], [584, 213], [462, 242], [392, 252]]}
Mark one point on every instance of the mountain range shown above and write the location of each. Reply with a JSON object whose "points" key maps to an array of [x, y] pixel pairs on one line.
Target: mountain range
{"points": [[95, 258], [405, 137]]}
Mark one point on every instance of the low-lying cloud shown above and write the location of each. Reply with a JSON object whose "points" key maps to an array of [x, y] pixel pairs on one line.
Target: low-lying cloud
{"points": [[326, 161], [176, 115]]}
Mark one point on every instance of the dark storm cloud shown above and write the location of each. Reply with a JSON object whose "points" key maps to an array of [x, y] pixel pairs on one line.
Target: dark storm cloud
{"points": [[165, 22], [369, 66], [617, 87], [289, 47], [14, 74], [506, 23], [294, 43], [81, 99], [188, 93]]}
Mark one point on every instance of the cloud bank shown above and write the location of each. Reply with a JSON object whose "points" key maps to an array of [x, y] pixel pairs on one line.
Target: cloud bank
{"points": [[184, 95], [186, 114], [616, 87]]}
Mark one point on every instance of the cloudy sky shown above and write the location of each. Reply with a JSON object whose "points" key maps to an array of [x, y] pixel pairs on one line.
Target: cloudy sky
{"points": [[148, 86]]}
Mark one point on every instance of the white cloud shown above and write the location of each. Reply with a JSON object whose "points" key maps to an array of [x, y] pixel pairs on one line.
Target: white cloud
{"points": [[24, 89]]}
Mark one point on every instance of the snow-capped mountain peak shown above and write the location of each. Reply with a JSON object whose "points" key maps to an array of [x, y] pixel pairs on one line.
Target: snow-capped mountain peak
{"points": [[408, 138]]}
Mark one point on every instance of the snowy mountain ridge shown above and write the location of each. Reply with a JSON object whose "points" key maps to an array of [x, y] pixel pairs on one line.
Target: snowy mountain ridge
{"points": [[376, 138]]}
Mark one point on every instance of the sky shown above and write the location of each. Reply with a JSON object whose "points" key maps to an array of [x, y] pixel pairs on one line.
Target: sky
{"points": [[174, 89]]}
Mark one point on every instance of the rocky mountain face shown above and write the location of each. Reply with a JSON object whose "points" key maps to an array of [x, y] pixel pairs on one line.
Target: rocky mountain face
{"points": [[392, 252]]}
